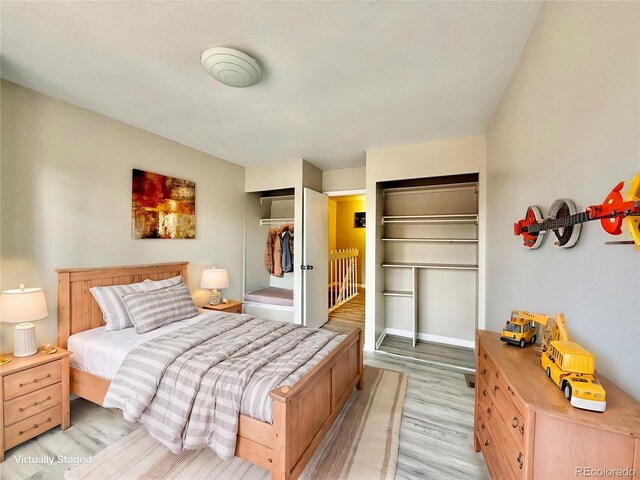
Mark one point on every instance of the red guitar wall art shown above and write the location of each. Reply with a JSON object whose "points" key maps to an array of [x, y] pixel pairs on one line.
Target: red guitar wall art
{"points": [[565, 221]]}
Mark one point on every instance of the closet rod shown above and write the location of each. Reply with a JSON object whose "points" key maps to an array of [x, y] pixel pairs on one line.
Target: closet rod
{"points": [[450, 187], [434, 266], [275, 221], [269, 200], [431, 240], [445, 218]]}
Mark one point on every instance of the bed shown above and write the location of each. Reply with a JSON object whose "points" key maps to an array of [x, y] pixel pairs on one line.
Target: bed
{"points": [[302, 413], [274, 303]]}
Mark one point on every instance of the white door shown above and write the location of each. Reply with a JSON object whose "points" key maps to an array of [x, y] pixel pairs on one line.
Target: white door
{"points": [[315, 258]]}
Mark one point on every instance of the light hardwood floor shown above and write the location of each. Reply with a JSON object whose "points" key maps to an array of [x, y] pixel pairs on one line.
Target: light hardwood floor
{"points": [[429, 352], [436, 437]]}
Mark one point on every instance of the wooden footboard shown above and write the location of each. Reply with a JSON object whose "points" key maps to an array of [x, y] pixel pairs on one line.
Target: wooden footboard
{"points": [[302, 414]]}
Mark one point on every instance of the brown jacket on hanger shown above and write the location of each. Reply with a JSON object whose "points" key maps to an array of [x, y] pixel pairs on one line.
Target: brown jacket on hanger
{"points": [[268, 249], [273, 249]]}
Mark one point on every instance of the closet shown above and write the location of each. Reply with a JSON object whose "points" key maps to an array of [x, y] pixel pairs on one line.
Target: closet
{"points": [[429, 239], [266, 295]]}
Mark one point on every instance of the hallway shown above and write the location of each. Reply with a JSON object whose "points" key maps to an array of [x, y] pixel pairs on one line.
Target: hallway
{"points": [[349, 315]]}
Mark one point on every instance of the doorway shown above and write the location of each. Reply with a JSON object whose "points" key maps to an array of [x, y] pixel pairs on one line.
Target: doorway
{"points": [[347, 254]]}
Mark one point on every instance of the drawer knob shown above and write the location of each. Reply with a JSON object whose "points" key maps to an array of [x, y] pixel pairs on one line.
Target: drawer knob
{"points": [[488, 409], [34, 404], [484, 393], [484, 355], [514, 422], [486, 443], [495, 389], [522, 429], [35, 425], [482, 425], [520, 459], [510, 390], [35, 380]]}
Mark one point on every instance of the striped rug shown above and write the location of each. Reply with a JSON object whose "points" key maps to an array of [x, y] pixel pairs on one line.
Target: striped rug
{"points": [[362, 444]]}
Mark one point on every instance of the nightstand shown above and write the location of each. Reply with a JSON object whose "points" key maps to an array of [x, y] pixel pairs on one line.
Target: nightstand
{"points": [[35, 397], [232, 306]]}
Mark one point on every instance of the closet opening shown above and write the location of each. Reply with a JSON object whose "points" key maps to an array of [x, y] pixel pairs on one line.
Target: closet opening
{"points": [[346, 269], [428, 233]]}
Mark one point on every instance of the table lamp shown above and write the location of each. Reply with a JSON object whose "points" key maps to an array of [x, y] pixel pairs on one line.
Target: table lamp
{"points": [[214, 278], [22, 306]]}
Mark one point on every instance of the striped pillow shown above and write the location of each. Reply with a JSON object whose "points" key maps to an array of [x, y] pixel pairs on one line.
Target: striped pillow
{"points": [[109, 300], [150, 310]]}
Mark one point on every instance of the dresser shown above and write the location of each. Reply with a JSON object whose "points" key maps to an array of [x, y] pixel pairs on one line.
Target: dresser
{"points": [[35, 397], [526, 429]]}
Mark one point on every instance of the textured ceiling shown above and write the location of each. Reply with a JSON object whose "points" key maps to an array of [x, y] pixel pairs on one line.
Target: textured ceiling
{"points": [[339, 78]]}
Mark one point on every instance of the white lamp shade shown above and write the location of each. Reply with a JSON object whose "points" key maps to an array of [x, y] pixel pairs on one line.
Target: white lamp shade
{"points": [[23, 305], [214, 278]]}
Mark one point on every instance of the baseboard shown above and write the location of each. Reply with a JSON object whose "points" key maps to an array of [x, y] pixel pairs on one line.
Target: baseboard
{"points": [[457, 342], [381, 338]]}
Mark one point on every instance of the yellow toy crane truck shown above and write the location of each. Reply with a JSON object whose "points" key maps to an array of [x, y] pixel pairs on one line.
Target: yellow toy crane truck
{"points": [[567, 363]]}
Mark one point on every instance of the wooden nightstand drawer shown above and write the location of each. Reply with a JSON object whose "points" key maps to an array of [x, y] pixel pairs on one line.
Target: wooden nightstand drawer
{"points": [[232, 306], [32, 403], [32, 426], [32, 379]]}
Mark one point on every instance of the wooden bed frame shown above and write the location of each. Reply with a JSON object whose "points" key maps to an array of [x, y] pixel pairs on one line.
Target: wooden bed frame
{"points": [[302, 414]]}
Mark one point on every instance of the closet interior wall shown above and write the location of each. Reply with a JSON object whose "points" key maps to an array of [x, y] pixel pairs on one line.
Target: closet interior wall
{"points": [[429, 238]]}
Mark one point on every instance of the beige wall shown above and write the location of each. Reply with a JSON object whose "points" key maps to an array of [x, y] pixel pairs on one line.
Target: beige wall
{"points": [[432, 159], [344, 179], [66, 199], [568, 126], [347, 236]]}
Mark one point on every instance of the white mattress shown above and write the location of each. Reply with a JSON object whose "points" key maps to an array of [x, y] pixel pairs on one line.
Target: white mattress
{"points": [[101, 353]]}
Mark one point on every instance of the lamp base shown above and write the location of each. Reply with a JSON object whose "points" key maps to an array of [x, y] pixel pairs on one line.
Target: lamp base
{"points": [[215, 298], [25, 340]]}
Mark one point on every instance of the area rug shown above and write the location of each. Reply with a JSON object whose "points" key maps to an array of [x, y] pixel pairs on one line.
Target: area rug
{"points": [[362, 444]]}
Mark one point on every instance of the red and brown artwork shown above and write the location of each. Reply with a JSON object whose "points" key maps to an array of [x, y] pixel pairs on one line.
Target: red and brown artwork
{"points": [[162, 207]]}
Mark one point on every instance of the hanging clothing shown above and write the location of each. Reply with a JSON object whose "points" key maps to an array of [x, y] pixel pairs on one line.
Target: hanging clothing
{"points": [[278, 250], [287, 253]]}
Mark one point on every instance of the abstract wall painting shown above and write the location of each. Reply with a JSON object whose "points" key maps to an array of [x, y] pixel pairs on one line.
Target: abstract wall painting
{"points": [[162, 206]]}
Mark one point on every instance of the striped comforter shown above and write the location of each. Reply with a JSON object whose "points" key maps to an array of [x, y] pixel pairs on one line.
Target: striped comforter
{"points": [[189, 387]]}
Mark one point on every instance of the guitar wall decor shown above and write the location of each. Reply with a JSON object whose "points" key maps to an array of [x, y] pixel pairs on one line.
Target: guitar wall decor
{"points": [[565, 221]]}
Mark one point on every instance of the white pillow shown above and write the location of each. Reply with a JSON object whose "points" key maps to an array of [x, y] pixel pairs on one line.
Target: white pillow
{"points": [[109, 300], [150, 310]]}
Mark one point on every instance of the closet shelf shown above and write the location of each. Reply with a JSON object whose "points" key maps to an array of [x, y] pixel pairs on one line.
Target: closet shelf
{"points": [[275, 221], [469, 218], [269, 200], [434, 266], [397, 293], [432, 240], [455, 187]]}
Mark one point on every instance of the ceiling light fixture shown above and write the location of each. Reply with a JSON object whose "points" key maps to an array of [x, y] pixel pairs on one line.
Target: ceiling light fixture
{"points": [[231, 67]]}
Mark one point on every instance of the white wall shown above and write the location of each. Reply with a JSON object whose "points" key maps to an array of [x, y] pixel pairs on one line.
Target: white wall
{"points": [[432, 159], [66, 199], [344, 179], [568, 126]]}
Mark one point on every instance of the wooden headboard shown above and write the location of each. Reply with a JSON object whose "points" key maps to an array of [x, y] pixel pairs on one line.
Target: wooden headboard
{"points": [[78, 310]]}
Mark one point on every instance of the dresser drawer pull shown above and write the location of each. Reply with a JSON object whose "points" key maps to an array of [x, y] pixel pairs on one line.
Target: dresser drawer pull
{"points": [[514, 423], [522, 429], [484, 371], [35, 425], [495, 389], [34, 404], [488, 409], [484, 393], [482, 425], [510, 390], [484, 355], [35, 380], [520, 459], [486, 443]]}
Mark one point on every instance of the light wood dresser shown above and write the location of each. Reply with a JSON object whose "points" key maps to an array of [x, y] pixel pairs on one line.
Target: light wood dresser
{"points": [[526, 429], [35, 397]]}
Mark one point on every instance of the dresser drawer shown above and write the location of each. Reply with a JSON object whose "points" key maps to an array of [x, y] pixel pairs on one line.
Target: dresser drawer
{"points": [[490, 452], [512, 452], [32, 379], [507, 408], [32, 426], [32, 403]]}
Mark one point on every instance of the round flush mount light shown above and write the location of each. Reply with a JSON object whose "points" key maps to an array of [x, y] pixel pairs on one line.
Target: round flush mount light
{"points": [[231, 67]]}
